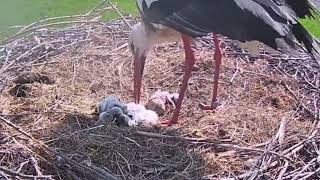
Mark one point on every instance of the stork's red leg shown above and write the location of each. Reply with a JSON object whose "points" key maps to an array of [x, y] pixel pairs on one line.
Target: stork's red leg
{"points": [[189, 63], [217, 59], [139, 61]]}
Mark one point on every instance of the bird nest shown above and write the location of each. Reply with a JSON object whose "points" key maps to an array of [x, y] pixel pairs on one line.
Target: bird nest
{"points": [[52, 77]]}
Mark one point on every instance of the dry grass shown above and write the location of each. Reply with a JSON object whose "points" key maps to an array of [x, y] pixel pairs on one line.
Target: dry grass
{"points": [[60, 115]]}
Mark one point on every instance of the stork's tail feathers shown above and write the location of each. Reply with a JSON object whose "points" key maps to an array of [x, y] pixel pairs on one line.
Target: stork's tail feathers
{"points": [[316, 51], [304, 37]]}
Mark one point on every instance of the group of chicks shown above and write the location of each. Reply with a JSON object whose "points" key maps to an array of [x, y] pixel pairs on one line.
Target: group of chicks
{"points": [[132, 114]]}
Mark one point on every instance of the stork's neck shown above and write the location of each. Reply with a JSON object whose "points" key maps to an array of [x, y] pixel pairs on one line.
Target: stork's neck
{"points": [[144, 38]]}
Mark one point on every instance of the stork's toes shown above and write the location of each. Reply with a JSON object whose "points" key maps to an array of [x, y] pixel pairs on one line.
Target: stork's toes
{"points": [[211, 107], [167, 123]]}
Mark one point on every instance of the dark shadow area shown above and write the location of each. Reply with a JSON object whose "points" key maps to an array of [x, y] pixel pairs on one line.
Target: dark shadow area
{"points": [[122, 152]]}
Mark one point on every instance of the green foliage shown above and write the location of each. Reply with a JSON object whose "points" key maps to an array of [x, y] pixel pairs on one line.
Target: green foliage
{"points": [[23, 12], [312, 26]]}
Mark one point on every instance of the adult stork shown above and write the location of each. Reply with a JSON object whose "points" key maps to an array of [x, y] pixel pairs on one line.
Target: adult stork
{"points": [[271, 22]]}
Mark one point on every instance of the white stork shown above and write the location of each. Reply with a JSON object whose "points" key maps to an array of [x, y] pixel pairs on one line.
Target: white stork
{"points": [[271, 22]]}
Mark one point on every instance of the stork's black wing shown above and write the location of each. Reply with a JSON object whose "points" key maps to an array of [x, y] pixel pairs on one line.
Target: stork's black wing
{"points": [[273, 22]]}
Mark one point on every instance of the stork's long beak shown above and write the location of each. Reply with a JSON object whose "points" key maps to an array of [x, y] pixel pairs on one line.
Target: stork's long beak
{"points": [[139, 61]]}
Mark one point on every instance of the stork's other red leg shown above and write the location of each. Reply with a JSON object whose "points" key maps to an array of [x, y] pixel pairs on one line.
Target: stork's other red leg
{"points": [[217, 59], [189, 63], [139, 61]]}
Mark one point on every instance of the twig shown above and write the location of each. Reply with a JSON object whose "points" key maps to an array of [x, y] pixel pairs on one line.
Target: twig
{"points": [[36, 166], [163, 136], [281, 132], [127, 162], [29, 150], [299, 145], [45, 26], [4, 68], [283, 171], [86, 170], [95, 8], [15, 174], [237, 70], [311, 174], [302, 104], [19, 129], [77, 132], [120, 14], [118, 48], [304, 168], [50, 19], [213, 142], [27, 28], [22, 165]]}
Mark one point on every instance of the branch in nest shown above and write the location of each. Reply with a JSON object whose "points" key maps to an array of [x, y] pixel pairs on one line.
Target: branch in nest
{"points": [[87, 171], [163, 136], [214, 142], [79, 19], [46, 26], [313, 113], [16, 175]]}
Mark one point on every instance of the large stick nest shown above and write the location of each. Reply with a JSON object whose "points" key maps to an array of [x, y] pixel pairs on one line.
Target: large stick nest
{"points": [[52, 77]]}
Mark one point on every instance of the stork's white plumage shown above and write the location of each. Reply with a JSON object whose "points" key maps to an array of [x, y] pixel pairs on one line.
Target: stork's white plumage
{"points": [[272, 22], [142, 38]]}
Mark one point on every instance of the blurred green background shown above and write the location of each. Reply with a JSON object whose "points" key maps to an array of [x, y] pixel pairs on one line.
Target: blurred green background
{"points": [[23, 12]]}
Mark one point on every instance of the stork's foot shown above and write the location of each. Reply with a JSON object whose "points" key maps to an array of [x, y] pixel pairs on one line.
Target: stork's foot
{"points": [[211, 107], [167, 123]]}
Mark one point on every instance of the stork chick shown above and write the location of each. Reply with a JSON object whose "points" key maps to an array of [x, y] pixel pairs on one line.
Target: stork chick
{"points": [[160, 101], [141, 116], [115, 115], [112, 110]]}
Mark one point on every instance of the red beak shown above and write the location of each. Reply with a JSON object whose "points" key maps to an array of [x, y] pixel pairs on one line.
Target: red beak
{"points": [[139, 61]]}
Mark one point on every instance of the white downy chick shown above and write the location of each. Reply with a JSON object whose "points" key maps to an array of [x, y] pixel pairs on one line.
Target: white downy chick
{"points": [[147, 118], [140, 115]]}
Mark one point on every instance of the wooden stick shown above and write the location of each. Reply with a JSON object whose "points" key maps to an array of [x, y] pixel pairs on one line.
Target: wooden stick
{"points": [[15, 174], [101, 174], [47, 25], [199, 140], [315, 114], [120, 14], [214, 142]]}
